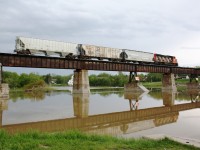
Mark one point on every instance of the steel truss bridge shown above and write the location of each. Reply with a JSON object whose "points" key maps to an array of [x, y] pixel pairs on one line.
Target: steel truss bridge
{"points": [[32, 61]]}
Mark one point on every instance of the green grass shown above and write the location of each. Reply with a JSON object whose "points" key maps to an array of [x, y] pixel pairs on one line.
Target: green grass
{"points": [[75, 140], [182, 81], [152, 84]]}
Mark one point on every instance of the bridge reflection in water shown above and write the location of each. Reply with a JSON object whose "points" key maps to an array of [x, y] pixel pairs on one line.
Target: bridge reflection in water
{"points": [[112, 123]]}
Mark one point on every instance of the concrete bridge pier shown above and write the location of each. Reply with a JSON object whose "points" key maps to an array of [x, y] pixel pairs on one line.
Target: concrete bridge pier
{"points": [[133, 85], [193, 88], [4, 88], [81, 82], [81, 105], [4, 91], [194, 77], [134, 98], [3, 106], [168, 97], [194, 82], [168, 82]]}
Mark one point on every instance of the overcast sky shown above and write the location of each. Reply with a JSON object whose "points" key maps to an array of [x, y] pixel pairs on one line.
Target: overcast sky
{"points": [[169, 27]]}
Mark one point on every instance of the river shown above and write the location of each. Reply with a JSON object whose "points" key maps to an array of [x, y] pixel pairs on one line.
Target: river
{"points": [[108, 111]]}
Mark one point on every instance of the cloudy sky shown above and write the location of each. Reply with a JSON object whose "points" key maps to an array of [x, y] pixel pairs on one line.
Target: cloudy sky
{"points": [[160, 26]]}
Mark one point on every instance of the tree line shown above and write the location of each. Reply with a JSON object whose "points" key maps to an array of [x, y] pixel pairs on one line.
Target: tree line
{"points": [[103, 79], [19, 81]]}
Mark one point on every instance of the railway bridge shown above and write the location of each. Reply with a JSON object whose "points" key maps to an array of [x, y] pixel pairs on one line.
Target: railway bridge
{"points": [[81, 67]]}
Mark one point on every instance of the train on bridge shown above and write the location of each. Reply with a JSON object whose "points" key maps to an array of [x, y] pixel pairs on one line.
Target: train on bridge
{"points": [[33, 46]]}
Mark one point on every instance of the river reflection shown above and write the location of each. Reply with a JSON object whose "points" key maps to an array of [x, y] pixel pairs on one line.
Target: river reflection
{"points": [[116, 114]]}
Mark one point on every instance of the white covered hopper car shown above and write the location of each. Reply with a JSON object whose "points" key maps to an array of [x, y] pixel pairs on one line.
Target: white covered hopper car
{"points": [[30, 46], [99, 52], [138, 56], [26, 45]]}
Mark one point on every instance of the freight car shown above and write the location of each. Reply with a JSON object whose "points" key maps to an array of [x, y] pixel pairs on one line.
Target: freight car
{"points": [[125, 55], [99, 52], [33, 46]]}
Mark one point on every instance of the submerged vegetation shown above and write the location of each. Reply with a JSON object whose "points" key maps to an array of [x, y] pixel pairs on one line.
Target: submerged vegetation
{"points": [[75, 140]]}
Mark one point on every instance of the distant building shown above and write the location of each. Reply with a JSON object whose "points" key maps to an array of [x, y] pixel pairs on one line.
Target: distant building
{"points": [[70, 82]]}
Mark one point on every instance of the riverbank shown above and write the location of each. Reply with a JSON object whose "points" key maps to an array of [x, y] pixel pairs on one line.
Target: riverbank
{"points": [[47, 88], [181, 85], [77, 140]]}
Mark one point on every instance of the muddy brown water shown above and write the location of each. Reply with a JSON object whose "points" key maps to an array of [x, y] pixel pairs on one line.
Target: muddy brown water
{"points": [[110, 112]]}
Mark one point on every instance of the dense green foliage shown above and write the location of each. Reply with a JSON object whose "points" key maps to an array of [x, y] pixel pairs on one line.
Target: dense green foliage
{"points": [[11, 78], [17, 81], [154, 77], [56, 79], [120, 79], [27, 80], [74, 140], [103, 79], [34, 85]]}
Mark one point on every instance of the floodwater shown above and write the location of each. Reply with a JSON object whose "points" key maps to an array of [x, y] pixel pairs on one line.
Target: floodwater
{"points": [[104, 112]]}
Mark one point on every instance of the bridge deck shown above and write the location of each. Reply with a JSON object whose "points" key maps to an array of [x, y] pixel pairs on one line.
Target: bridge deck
{"points": [[31, 61]]}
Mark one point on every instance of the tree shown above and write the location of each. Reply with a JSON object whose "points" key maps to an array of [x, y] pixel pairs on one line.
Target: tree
{"points": [[47, 78], [105, 79], [93, 80], [154, 77], [11, 78], [60, 79], [35, 85], [25, 79], [119, 80]]}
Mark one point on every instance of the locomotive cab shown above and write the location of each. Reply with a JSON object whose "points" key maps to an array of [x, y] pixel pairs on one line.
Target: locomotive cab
{"points": [[165, 60], [174, 61]]}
